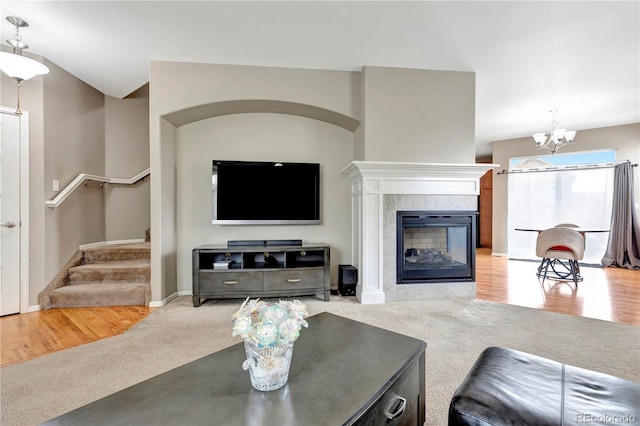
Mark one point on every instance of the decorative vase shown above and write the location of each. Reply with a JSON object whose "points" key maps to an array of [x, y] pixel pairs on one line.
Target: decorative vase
{"points": [[268, 365]]}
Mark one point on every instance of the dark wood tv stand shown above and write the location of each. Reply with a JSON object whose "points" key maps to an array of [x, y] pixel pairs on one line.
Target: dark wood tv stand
{"points": [[261, 269]]}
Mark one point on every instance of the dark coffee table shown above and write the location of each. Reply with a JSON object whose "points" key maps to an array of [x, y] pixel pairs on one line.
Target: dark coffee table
{"points": [[342, 372]]}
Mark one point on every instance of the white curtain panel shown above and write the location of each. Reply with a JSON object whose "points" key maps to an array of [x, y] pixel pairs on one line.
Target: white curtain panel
{"points": [[544, 199]]}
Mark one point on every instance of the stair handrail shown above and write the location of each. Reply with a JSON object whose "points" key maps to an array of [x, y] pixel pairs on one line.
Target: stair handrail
{"points": [[82, 178]]}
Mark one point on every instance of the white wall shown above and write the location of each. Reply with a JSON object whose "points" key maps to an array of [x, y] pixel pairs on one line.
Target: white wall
{"points": [[261, 137]]}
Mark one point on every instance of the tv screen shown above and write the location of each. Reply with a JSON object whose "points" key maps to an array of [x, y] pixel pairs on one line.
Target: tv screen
{"points": [[257, 192]]}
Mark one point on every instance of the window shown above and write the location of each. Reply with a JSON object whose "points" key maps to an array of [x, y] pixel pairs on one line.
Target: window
{"points": [[543, 199]]}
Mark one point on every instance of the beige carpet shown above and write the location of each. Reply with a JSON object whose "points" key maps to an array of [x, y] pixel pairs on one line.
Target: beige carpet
{"points": [[456, 331]]}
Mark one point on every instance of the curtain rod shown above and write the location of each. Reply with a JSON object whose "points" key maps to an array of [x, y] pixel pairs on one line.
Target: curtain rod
{"points": [[564, 168]]}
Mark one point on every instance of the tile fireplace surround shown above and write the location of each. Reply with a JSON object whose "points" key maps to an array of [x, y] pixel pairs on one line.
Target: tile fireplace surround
{"points": [[378, 190]]}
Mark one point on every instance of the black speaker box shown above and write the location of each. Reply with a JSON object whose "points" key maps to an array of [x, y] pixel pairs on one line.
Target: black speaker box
{"points": [[347, 280]]}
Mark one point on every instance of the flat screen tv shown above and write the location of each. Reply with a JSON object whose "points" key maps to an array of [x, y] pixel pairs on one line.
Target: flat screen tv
{"points": [[260, 193]]}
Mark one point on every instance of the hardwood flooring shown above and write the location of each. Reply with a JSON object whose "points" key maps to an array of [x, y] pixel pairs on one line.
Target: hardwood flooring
{"points": [[27, 336], [609, 294]]}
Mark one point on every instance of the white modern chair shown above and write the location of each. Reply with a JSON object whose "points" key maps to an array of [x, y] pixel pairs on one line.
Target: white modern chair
{"points": [[572, 225], [560, 249]]}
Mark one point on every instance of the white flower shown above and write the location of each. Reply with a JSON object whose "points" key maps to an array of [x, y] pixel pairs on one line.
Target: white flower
{"points": [[255, 305], [290, 330], [274, 314], [266, 333], [299, 309], [269, 324], [242, 311], [241, 326]]}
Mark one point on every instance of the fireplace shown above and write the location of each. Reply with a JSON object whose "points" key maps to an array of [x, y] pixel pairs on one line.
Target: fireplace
{"points": [[379, 190], [435, 246]]}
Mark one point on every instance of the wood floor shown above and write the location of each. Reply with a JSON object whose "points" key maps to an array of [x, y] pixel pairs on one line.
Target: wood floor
{"points": [[609, 294], [27, 336]]}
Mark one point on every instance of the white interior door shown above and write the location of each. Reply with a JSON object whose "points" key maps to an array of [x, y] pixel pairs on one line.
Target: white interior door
{"points": [[9, 214]]}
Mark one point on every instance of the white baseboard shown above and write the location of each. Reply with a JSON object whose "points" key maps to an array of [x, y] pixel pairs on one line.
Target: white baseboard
{"points": [[106, 243], [499, 254], [36, 308], [160, 303], [163, 302]]}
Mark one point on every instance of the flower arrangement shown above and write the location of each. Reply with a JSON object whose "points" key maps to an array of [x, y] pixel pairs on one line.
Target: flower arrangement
{"points": [[267, 324]]}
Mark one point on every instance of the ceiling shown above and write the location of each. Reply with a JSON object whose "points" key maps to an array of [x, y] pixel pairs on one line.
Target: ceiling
{"points": [[580, 57]]}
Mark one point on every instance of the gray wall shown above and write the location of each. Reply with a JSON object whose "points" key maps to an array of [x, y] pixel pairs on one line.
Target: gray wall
{"points": [[260, 137], [68, 132], [74, 143], [126, 155], [186, 93], [74, 129], [396, 104], [624, 139], [417, 116]]}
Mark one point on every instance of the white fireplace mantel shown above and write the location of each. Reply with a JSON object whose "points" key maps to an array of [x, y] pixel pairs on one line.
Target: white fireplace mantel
{"points": [[370, 181], [415, 171]]}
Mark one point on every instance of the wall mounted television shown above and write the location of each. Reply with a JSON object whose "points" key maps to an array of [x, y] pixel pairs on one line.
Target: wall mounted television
{"points": [[265, 193]]}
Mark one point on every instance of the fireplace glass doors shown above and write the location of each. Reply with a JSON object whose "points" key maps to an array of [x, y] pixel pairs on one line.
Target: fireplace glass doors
{"points": [[435, 246]]}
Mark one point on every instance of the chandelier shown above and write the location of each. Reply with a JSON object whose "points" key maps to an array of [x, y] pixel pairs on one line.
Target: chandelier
{"points": [[556, 138], [16, 66]]}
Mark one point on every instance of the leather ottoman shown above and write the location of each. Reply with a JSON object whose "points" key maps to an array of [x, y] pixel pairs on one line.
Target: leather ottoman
{"points": [[507, 387]]}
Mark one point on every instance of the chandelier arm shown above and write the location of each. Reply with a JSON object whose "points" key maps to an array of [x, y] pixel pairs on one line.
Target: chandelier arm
{"points": [[556, 138]]}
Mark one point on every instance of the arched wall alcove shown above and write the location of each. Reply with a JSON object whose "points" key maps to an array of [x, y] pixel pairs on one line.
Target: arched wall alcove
{"points": [[389, 114], [288, 131], [215, 109], [186, 95]]}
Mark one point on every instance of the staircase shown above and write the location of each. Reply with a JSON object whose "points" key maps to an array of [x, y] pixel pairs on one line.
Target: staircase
{"points": [[107, 275]]}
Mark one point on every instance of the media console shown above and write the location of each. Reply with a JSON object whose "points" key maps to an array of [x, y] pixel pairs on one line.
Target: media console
{"points": [[269, 268]]}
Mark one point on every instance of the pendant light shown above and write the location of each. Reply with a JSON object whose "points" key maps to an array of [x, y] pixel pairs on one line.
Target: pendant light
{"points": [[16, 66]]}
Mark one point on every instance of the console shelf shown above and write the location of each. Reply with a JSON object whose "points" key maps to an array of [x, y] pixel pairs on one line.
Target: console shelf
{"points": [[260, 271]]}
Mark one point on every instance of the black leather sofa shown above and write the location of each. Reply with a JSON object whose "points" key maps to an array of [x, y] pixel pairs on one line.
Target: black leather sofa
{"points": [[507, 387]]}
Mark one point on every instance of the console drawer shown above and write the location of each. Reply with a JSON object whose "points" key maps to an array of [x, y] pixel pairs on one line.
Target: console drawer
{"points": [[401, 402], [230, 282], [293, 279]]}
